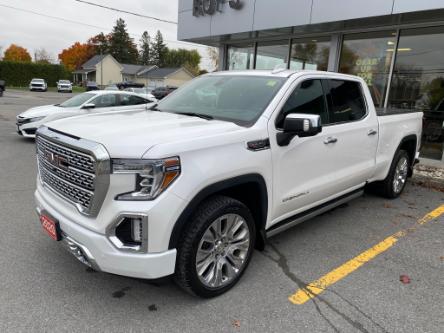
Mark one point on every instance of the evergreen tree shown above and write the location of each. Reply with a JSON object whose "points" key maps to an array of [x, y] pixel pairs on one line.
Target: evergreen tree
{"points": [[145, 49], [122, 46], [159, 50]]}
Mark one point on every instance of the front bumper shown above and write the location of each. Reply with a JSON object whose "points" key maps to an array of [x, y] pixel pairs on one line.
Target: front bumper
{"points": [[27, 130], [97, 251], [64, 88]]}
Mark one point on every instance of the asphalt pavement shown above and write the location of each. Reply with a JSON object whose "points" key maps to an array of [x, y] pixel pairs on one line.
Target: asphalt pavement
{"points": [[43, 288]]}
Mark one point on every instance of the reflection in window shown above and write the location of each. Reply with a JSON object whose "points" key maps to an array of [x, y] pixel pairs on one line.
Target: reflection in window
{"points": [[310, 54], [272, 55], [240, 57], [418, 83], [369, 55]]}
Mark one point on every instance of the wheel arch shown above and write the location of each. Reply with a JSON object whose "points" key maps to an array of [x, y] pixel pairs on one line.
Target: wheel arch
{"points": [[257, 201], [409, 144]]}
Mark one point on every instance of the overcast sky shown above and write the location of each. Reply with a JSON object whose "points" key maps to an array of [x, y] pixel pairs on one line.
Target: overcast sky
{"points": [[33, 31]]}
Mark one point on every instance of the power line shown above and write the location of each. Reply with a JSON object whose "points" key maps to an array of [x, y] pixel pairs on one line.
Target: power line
{"points": [[125, 11], [90, 25]]}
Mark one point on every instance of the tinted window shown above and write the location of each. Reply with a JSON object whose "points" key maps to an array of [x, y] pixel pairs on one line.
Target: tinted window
{"points": [[77, 100], [132, 100], [307, 98], [104, 101], [346, 101]]}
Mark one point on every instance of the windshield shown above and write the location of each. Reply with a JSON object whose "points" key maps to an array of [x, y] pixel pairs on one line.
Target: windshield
{"points": [[37, 80], [240, 99], [76, 101], [64, 81]]}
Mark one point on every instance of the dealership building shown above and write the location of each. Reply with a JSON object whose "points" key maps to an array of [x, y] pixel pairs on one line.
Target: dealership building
{"points": [[397, 46]]}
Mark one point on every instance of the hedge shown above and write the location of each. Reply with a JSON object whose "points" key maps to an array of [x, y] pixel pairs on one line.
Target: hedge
{"points": [[19, 74]]}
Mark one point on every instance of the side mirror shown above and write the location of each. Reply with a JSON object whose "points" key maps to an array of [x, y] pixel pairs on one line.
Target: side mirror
{"points": [[301, 125], [89, 106]]}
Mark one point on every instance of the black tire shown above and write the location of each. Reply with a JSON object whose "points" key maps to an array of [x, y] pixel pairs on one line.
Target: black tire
{"points": [[1, 92], [186, 275], [386, 188]]}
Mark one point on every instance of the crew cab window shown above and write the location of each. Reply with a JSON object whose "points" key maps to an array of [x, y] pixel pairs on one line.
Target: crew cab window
{"points": [[104, 101], [346, 101], [307, 98], [126, 100]]}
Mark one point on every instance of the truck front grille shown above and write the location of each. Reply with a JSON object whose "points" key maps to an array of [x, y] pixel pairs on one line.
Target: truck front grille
{"points": [[74, 174]]}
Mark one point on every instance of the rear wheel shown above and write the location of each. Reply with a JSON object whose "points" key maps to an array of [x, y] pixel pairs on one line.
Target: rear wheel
{"points": [[393, 185], [216, 248]]}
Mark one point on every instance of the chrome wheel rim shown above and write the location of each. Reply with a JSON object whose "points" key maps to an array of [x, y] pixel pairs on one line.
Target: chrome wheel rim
{"points": [[400, 176], [223, 250]]}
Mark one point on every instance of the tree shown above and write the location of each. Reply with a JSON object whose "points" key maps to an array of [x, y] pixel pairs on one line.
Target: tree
{"points": [[213, 53], [189, 59], [17, 53], [100, 43], [42, 56], [76, 55], [145, 49], [159, 51], [122, 46]]}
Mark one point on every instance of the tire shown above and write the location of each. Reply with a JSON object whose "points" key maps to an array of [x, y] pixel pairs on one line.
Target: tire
{"points": [[398, 169], [232, 257], [1, 92]]}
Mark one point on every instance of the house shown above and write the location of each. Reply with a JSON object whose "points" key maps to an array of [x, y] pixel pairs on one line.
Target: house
{"points": [[105, 70]]}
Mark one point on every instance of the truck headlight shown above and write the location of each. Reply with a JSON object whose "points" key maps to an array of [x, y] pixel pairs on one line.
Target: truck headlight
{"points": [[152, 176], [33, 120]]}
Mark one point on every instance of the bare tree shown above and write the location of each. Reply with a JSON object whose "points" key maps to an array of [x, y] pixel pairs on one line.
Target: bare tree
{"points": [[42, 56], [213, 53]]}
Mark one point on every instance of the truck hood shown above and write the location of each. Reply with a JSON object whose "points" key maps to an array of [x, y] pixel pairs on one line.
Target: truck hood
{"points": [[42, 111], [130, 134]]}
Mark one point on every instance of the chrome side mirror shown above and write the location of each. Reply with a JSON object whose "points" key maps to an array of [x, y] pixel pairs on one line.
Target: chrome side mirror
{"points": [[298, 124], [89, 106]]}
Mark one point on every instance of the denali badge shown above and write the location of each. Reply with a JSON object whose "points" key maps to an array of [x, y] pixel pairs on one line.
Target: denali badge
{"points": [[56, 160]]}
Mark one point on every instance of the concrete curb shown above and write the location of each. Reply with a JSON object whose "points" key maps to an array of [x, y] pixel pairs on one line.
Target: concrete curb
{"points": [[429, 177]]}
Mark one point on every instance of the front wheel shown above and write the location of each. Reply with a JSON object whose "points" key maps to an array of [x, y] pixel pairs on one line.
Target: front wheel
{"points": [[216, 247]]}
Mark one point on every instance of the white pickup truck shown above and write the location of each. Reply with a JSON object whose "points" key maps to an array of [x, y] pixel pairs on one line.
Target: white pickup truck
{"points": [[193, 185]]}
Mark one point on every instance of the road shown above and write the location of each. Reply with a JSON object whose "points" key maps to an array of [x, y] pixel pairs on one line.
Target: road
{"points": [[43, 288]]}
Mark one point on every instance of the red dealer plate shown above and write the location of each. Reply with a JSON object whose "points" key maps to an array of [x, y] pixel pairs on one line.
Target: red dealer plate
{"points": [[50, 226]]}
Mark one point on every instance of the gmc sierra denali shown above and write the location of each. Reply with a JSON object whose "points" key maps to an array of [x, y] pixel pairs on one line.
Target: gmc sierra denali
{"points": [[193, 185]]}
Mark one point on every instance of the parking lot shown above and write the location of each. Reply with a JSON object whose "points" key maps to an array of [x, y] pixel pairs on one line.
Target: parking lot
{"points": [[372, 265]]}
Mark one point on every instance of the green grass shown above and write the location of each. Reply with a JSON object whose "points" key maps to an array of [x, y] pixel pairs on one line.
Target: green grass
{"points": [[75, 89]]}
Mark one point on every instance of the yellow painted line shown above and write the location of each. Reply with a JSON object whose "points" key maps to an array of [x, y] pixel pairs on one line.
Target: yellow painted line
{"points": [[316, 287]]}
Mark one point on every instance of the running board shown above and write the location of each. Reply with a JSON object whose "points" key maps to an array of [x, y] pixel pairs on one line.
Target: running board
{"points": [[312, 212]]}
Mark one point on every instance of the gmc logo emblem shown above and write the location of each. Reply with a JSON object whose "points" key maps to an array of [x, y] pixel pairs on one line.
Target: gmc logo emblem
{"points": [[56, 160], [210, 7]]}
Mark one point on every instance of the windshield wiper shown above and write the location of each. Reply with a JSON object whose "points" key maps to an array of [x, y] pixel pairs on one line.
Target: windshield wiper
{"points": [[154, 108], [195, 114]]}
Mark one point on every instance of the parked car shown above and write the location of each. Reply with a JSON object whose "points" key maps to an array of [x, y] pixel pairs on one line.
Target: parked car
{"points": [[64, 85], [129, 84], [91, 86], [38, 84], [161, 92], [144, 92], [112, 87], [87, 103], [2, 87], [194, 186]]}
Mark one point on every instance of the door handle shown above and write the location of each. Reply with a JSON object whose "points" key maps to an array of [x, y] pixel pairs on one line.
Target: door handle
{"points": [[372, 132], [330, 139]]}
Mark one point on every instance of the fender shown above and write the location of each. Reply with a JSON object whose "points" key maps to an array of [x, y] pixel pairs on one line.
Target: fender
{"points": [[221, 187]]}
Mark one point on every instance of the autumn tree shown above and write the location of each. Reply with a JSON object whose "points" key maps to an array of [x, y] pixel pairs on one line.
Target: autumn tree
{"points": [[41, 56], [122, 46], [76, 55], [17, 53], [145, 49], [159, 50]]}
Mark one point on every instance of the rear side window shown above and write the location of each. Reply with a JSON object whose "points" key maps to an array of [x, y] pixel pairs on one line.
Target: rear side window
{"points": [[307, 98], [126, 100], [346, 101]]}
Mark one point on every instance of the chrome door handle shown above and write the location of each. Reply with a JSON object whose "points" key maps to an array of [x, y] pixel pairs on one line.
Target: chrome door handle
{"points": [[329, 140], [372, 132]]}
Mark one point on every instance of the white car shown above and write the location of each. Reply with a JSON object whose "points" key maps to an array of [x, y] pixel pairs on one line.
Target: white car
{"points": [[144, 92], [38, 84], [86, 103], [64, 85], [193, 186]]}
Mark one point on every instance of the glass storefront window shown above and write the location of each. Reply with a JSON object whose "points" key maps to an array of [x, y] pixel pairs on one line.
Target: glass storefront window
{"points": [[418, 83], [272, 55], [369, 55], [240, 57], [310, 54]]}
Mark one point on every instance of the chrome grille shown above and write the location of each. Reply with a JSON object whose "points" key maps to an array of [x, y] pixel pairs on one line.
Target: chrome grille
{"points": [[77, 175]]}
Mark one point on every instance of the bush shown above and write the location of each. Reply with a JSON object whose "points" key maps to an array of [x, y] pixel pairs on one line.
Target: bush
{"points": [[19, 74]]}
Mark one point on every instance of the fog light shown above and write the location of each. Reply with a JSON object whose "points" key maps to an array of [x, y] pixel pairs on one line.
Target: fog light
{"points": [[129, 233]]}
